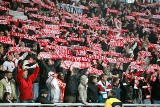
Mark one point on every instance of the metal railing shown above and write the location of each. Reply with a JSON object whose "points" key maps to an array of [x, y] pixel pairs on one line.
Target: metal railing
{"points": [[72, 104]]}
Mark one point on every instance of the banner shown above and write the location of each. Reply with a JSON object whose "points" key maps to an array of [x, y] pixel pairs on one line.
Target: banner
{"points": [[19, 49], [6, 40], [4, 8], [4, 22], [17, 15], [21, 1], [71, 9]]}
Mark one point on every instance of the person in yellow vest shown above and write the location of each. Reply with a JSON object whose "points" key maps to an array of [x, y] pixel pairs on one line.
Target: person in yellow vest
{"points": [[112, 101]]}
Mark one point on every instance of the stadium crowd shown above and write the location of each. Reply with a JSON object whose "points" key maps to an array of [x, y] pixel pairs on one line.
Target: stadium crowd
{"points": [[79, 50]]}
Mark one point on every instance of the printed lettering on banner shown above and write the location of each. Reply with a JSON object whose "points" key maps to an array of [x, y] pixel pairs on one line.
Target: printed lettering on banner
{"points": [[17, 15], [71, 9], [25, 1]]}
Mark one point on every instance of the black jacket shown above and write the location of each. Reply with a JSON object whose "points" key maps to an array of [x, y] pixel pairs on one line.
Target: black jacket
{"points": [[45, 69], [92, 93], [127, 92], [31, 71], [72, 86], [43, 100], [155, 93], [6, 101]]}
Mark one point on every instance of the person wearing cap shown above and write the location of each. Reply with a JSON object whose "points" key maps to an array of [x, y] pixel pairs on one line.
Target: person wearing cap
{"points": [[112, 101], [54, 87], [51, 77], [42, 98], [7, 84]]}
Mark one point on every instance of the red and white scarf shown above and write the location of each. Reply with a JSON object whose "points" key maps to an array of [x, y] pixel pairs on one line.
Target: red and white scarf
{"points": [[62, 86]]}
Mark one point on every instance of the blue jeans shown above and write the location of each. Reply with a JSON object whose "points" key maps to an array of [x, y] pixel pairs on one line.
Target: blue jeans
{"points": [[146, 101], [35, 91], [156, 101], [49, 95], [18, 94]]}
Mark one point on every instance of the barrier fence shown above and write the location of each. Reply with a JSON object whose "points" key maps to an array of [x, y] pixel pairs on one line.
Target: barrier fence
{"points": [[71, 104]]}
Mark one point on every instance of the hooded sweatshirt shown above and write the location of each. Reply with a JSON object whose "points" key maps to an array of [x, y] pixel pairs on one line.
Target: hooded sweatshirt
{"points": [[82, 89]]}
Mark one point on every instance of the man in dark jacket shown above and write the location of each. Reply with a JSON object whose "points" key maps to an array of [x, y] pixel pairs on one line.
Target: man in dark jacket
{"points": [[46, 67], [42, 98], [71, 90], [92, 88], [155, 93], [127, 91]]}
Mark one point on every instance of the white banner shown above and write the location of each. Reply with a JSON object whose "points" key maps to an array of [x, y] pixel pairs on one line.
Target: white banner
{"points": [[130, 1], [17, 15], [71, 9]]}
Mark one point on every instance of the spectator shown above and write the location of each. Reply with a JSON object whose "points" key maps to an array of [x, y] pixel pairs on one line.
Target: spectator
{"points": [[25, 84], [42, 98], [107, 32], [112, 101], [61, 76], [71, 90], [155, 93], [116, 87], [82, 89], [46, 67], [146, 91], [30, 66], [127, 91], [92, 88], [104, 87], [17, 57], [117, 71], [8, 64], [7, 84], [49, 66], [55, 87]]}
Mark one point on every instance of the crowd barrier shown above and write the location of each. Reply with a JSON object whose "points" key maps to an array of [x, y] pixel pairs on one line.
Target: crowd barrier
{"points": [[71, 104]]}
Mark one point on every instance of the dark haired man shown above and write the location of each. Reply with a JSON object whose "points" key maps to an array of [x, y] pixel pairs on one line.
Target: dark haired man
{"points": [[112, 101]]}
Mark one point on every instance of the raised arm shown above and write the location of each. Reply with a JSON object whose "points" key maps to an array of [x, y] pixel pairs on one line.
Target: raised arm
{"points": [[34, 75], [23, 56], [19, 74], [45, 65]]}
